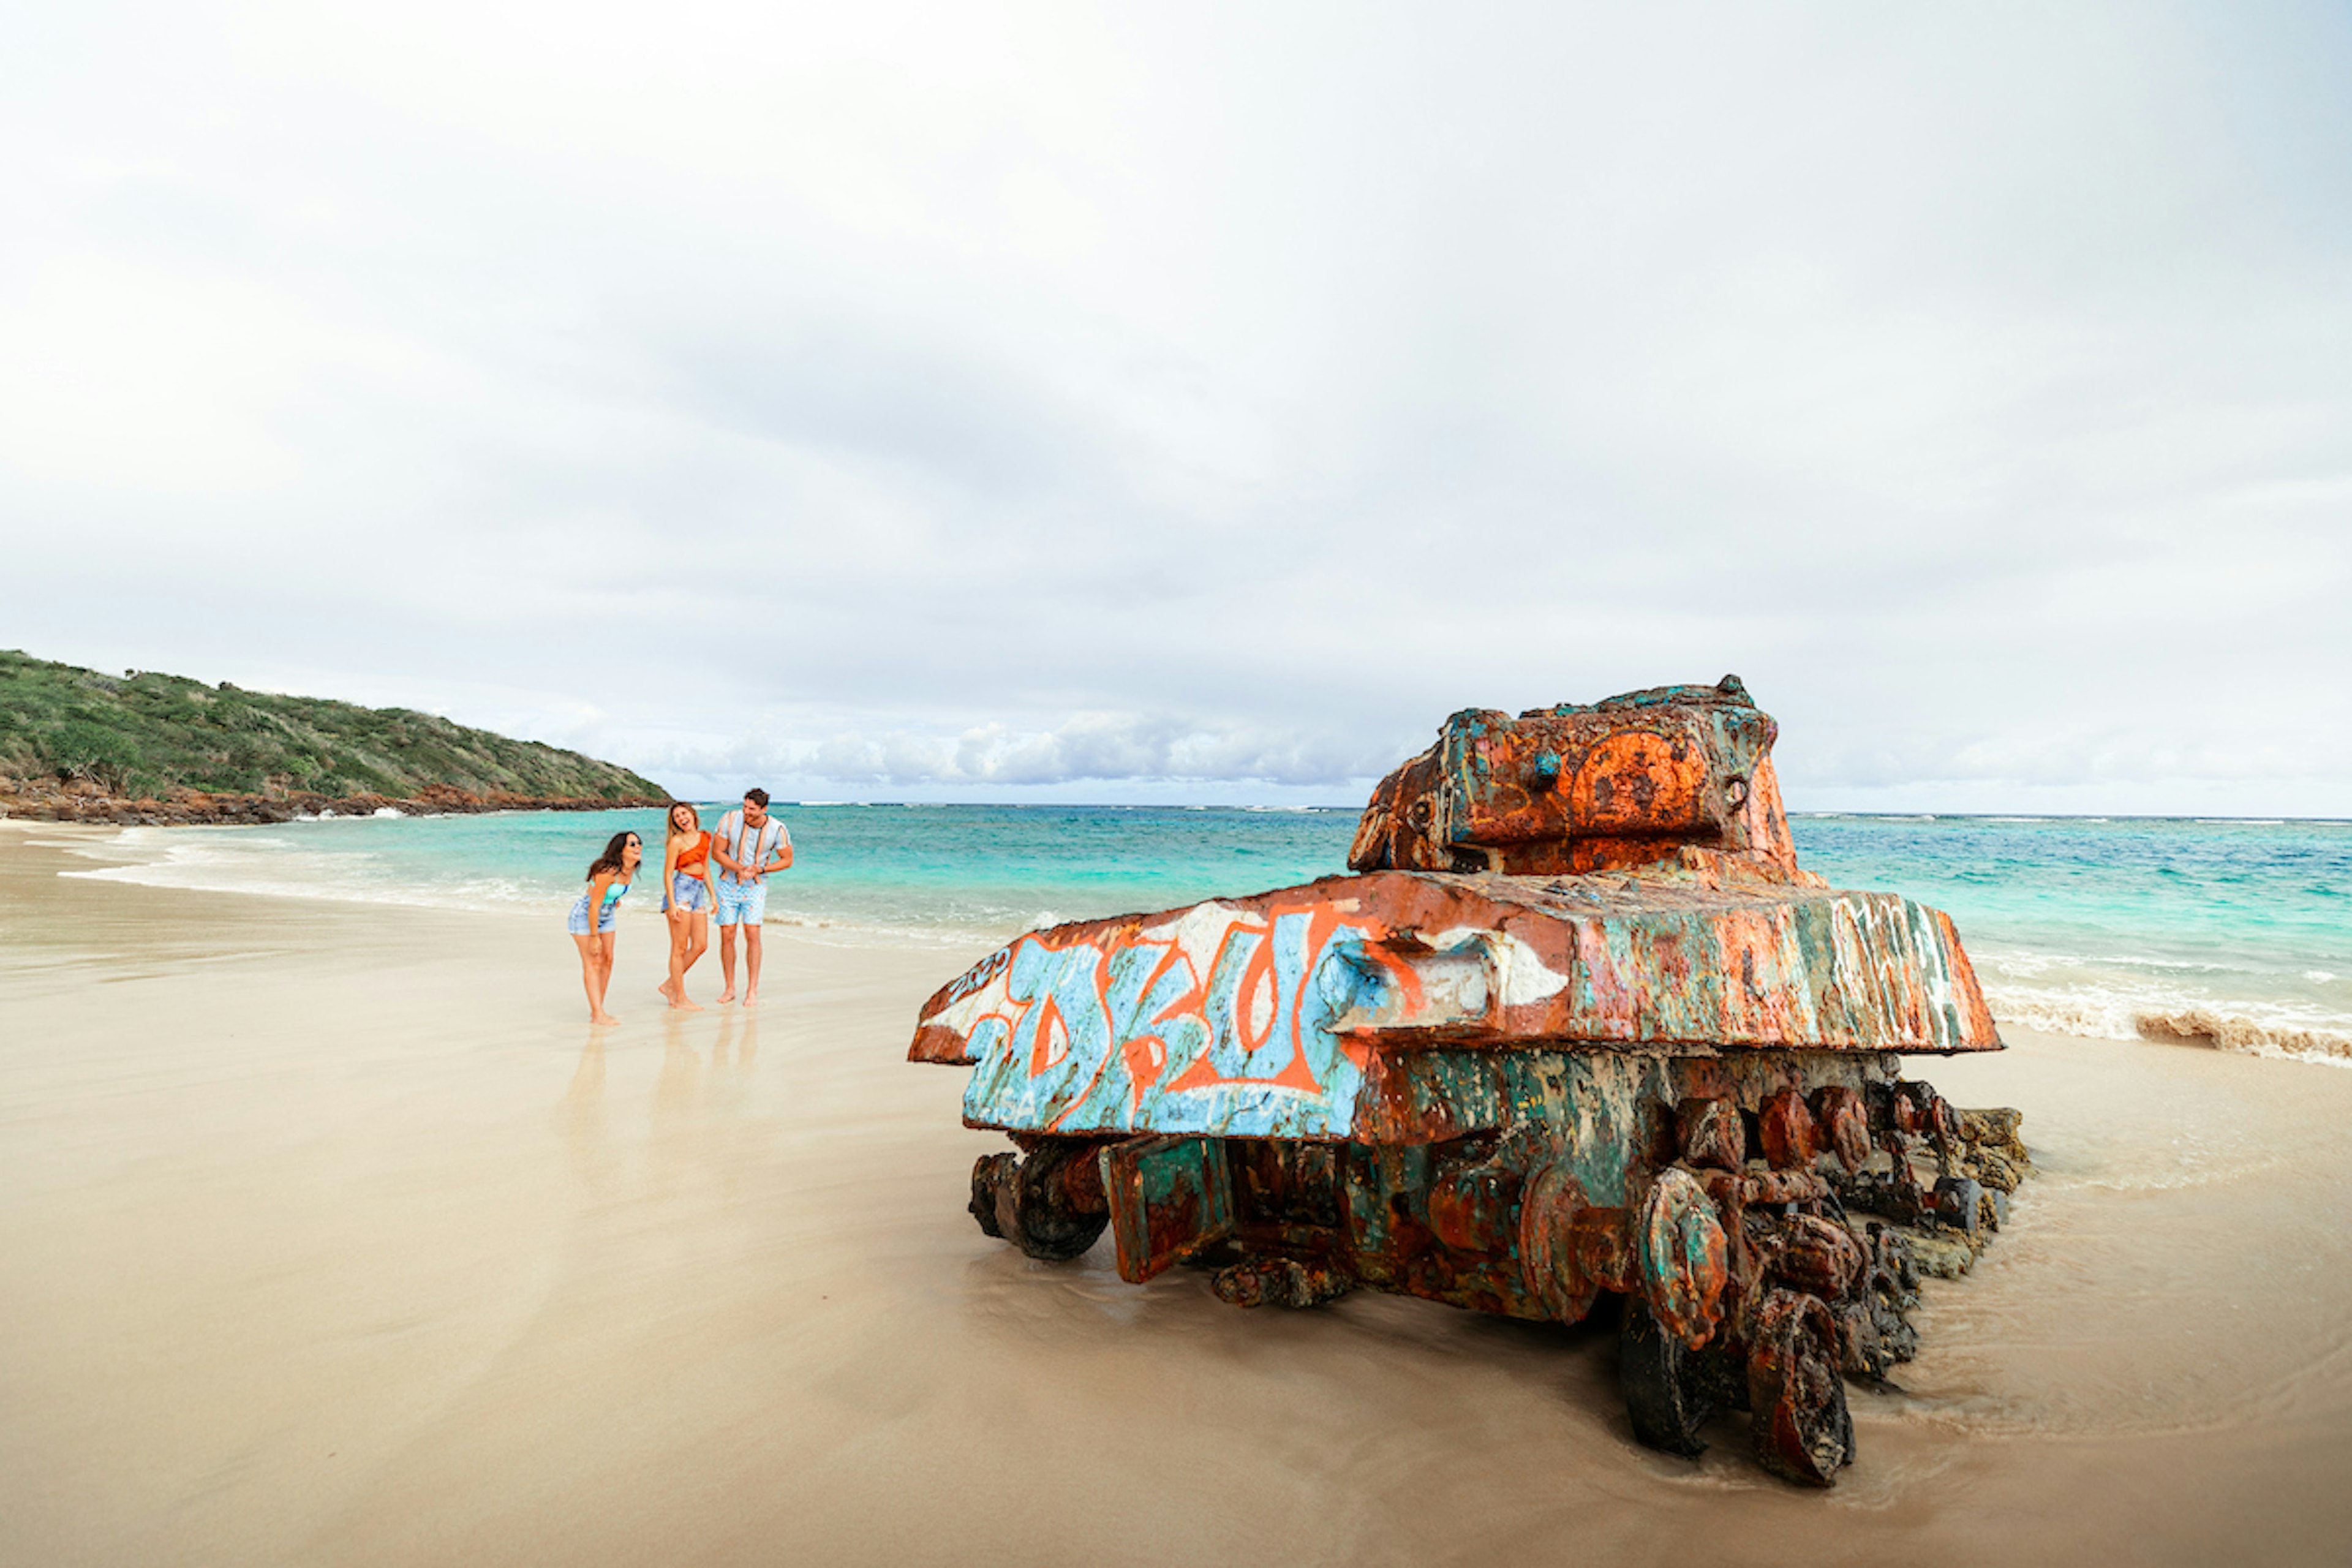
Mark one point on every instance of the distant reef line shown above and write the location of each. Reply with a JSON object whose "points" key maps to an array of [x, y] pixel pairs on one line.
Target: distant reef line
{"points": [[77, 745]]}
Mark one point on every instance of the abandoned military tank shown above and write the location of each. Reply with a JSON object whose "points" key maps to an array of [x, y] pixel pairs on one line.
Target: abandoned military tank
{"points": [[1577, 1027]]}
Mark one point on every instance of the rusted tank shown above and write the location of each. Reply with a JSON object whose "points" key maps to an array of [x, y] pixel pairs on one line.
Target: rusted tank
{"points": [[1578, 1030]]}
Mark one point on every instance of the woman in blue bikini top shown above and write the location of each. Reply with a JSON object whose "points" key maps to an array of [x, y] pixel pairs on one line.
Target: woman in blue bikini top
{"points": [[592, 924]]}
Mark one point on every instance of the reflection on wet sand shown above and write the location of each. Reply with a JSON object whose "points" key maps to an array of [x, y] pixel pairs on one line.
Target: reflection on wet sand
{"points": [[580, 1115], [700, 1117]]}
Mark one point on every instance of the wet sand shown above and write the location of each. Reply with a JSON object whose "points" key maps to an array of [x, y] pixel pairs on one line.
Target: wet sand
{"points": [[333, 1236]]}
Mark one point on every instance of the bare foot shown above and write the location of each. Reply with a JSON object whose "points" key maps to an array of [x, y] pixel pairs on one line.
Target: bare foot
{"points": [[684, 1005], [750, 998], [602, 1018], [727, 996]]}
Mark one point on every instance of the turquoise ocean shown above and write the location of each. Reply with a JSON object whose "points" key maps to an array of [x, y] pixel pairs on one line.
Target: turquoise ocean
{"points": [[2238, 929]]}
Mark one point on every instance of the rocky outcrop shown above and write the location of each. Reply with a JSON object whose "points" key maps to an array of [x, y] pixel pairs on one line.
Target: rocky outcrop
{"points": [[44, 800]]}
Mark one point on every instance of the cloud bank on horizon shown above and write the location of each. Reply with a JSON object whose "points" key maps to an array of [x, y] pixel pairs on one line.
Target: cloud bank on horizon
{"points": [[928, 401]]}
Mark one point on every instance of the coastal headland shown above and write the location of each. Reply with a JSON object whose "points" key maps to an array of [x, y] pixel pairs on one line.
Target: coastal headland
{"points": [[151, 748], [336, 1235], [37, 800]]}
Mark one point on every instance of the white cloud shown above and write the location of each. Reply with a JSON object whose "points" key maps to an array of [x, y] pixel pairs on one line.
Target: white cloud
{"points": [[1087, 748]]}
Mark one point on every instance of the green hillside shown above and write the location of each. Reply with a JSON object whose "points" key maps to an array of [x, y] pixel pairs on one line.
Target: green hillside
{"points": [[144, 734]]}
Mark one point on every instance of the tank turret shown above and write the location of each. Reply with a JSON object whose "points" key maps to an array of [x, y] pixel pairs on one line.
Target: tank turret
{"points": [[1583, 787]]}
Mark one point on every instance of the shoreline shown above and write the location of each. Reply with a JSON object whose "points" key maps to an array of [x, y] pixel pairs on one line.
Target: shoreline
{"points": [[2211, 1026], [635, 917]]}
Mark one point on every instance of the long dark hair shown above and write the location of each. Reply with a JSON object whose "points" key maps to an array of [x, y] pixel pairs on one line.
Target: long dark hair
{"points": [[609, 861]]}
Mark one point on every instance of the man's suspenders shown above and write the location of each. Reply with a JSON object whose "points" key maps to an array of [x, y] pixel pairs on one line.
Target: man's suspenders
{"points": [[760, 837]]}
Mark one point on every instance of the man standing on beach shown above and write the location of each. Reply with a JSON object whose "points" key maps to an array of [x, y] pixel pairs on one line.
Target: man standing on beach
{"points": [[750, 844]]}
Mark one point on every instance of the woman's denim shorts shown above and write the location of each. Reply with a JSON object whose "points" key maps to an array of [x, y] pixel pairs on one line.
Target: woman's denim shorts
{"points": [[688, 892], [578, 924]]}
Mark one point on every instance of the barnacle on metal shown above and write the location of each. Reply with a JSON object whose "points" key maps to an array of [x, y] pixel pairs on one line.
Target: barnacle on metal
{"points": [[1577, 1027]]}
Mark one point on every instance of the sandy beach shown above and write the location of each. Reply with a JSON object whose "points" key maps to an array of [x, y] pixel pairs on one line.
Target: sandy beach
{"points": [[334, 1236]]}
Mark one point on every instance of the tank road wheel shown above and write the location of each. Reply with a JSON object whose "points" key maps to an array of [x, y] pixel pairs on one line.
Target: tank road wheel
{"points": [[1684, 1255], [990, 1174], [1050, 1204], [1878, 1336], [1802, 1428], [1663, 1395]]}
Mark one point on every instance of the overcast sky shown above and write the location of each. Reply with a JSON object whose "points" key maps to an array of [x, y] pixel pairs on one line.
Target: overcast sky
{"points": [[1190, 402]]}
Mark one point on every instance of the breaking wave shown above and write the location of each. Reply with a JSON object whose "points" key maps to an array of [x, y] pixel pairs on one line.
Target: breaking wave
{"points": [[2216, 1027], [2202, 1026]]}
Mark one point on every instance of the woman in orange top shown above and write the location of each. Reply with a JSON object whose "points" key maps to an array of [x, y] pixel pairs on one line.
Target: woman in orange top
{"points": [[688, 899]]}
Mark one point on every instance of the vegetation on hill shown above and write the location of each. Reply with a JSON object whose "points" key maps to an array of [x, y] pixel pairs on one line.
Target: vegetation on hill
{"points": [[145, 735]]}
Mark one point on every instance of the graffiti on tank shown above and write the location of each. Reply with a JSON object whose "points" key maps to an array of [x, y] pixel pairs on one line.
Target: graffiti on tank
{"points": [[1222, 1022]]}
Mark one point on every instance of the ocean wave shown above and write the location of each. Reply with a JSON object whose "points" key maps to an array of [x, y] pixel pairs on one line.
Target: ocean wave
{"points": [[2204, 1026], [831, 930], [2101, 1016], [2023, 964], [475, 896], [341, 880]]}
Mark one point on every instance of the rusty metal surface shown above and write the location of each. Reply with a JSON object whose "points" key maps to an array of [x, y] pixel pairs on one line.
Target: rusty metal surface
{"points": [[1682, 1255], [1288, 1014], [1170, 1197], [1584, 787], [1580, 1027]]}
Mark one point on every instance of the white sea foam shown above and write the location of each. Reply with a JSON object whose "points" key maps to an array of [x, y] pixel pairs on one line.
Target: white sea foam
{"points": [[831, 931], [241, 860], [2204, 1026], [2137, 1013], [2022, 963]]}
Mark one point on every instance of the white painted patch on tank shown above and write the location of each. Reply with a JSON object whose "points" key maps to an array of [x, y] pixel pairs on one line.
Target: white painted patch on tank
{"points": [[1454, 987], [1199, 930], [1521, 976], [985, 998]]}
